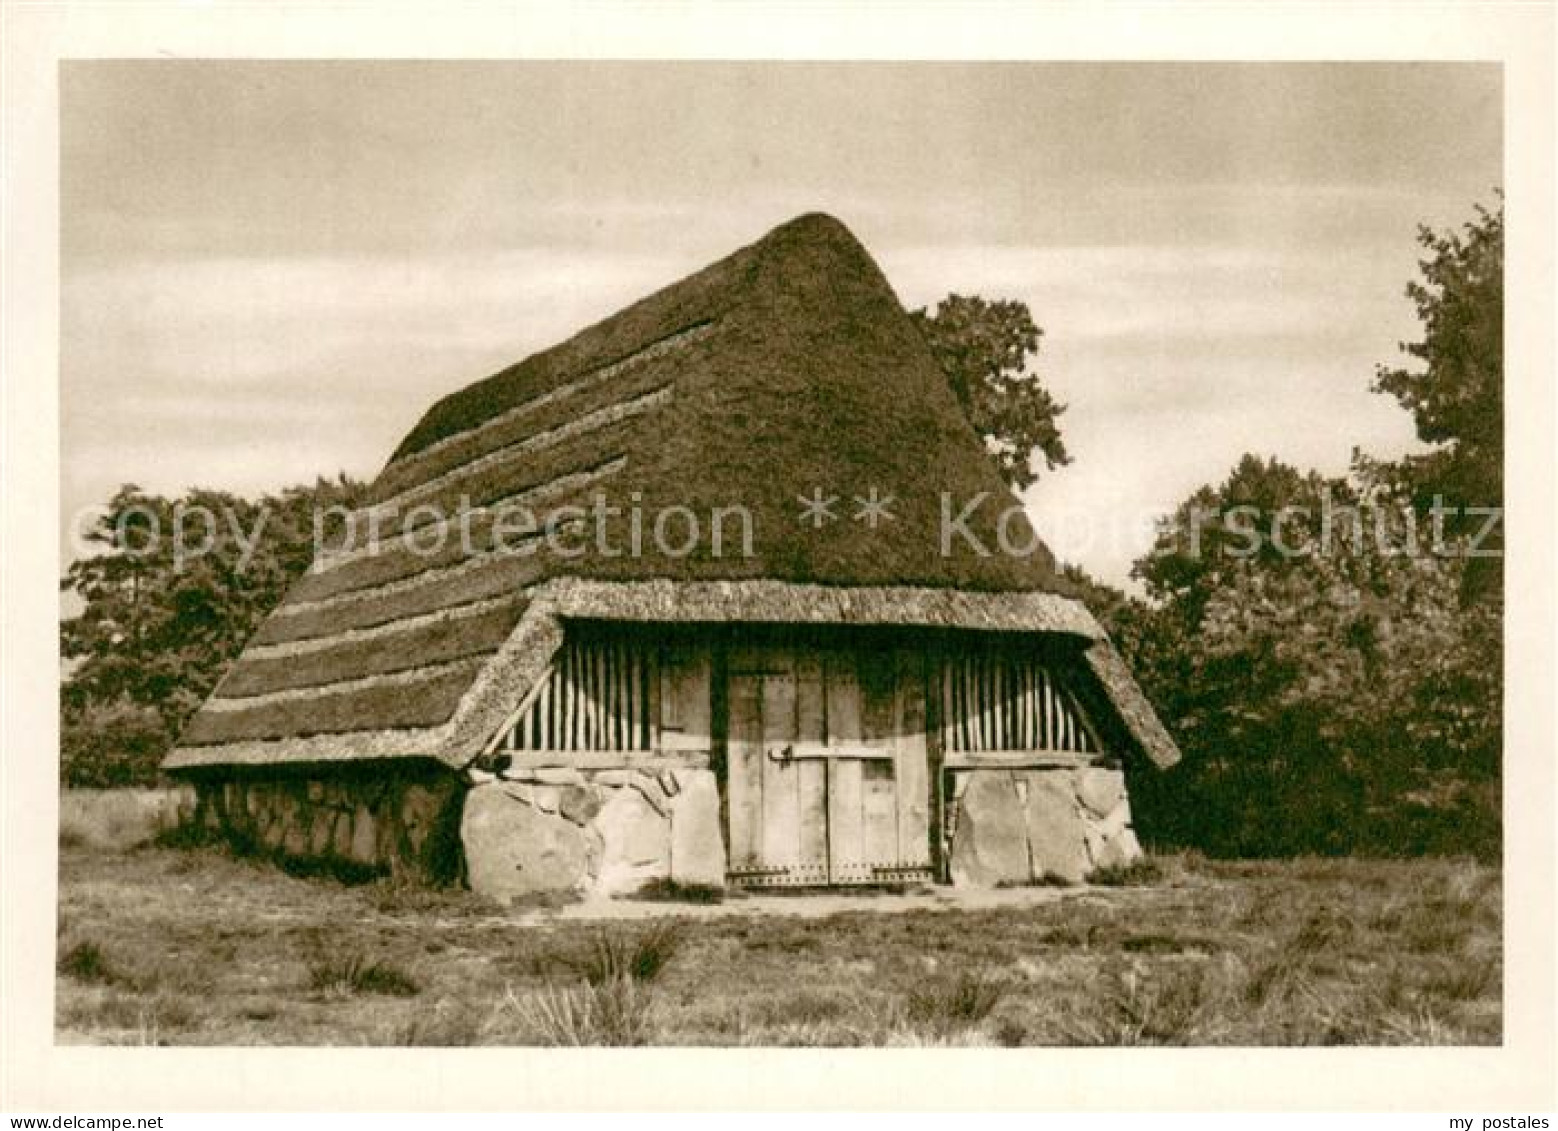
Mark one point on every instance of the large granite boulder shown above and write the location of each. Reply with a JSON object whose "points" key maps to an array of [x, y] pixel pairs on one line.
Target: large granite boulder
{"points": [[1057, 847], [512, 848], [1111, 842], [635, 843], [990, 844], [1101, 791], [697, 845]]}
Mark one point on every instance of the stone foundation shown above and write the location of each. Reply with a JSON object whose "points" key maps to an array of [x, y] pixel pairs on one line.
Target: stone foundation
{"points": [[612, 831], [364, 823], [1036, 825], [592, 832]]}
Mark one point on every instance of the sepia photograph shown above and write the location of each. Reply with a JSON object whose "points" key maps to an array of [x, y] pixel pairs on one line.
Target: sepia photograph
{"points": [[762, 554]]}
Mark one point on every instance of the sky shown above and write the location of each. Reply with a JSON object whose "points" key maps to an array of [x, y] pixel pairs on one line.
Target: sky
{"points": [[270, 270]]}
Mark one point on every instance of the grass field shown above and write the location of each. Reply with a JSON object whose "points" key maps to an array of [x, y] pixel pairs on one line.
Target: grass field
{"points": [[166, 946]]}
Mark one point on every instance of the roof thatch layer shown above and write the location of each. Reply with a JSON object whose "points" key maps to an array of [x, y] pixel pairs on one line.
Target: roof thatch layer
{"points": [[782, 371]]}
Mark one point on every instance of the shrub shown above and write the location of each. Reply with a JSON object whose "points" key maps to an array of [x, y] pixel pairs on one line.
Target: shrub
{"points": [[111, 745]]}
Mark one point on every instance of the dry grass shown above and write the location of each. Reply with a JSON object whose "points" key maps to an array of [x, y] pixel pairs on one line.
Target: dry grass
{"points": [[193, 947], [614, 1012], [344, 975], [946, 1005]]}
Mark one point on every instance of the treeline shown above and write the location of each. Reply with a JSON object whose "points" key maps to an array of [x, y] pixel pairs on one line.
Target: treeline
{"points": [[154, 633], [1336, 684]]}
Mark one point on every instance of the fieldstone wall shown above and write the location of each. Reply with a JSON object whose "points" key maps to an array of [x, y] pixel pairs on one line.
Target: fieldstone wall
{"points": [[612, 831], [361, 822], [593, 832], [1030, 825]]}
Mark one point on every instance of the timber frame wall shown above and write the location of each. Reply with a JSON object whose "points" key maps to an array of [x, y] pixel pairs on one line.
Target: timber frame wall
{"points": [[656, 697]]}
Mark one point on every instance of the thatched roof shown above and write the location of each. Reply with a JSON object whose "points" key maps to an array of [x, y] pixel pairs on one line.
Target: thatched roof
{"points": [[786, 369]]}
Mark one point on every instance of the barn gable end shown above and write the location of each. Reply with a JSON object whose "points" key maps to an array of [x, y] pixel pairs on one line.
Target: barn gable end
{"points": [[544, 683]]}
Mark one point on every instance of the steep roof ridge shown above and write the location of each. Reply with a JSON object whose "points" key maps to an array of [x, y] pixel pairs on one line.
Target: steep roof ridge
{"points": [[814, 329]]}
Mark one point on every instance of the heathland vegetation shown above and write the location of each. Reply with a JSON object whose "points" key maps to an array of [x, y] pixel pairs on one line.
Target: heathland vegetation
{"points": [[162, 946]]}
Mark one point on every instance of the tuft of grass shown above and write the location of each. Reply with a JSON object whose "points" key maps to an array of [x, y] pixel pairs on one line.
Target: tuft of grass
{"points": [[948, 1004], [122, 1017], [613, 955], [1011, 1033], [1168, 1008], [1143, 871], [87, 961], [438, 1028], [1063, 936], [1463, 980], [614, 1012], [1321, 932], [804, 1007], [1438, 931], [345, 975]]}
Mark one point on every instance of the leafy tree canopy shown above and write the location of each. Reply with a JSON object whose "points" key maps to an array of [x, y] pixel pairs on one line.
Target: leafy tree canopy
{"points": [[1455, 387], [985, 348], [161, 619]]}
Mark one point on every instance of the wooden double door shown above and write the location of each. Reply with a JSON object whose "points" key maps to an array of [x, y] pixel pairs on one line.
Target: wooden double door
{"points": [[826, 775]]}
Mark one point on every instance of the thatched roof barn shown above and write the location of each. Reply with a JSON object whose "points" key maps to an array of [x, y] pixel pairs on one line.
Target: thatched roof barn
{"points": [[724, 587]]}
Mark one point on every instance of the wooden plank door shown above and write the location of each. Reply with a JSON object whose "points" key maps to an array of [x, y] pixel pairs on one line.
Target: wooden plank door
{"points": [[878, 782], [777, 801], [828, 782]]}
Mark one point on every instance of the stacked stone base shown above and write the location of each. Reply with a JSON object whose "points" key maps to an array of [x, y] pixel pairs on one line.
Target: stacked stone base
{"points": [[592, 832], [362, 823], [1013, 827], [605, 832]]}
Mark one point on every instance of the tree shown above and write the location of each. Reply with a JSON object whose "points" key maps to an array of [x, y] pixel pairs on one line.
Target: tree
{"points": [[155, 632], [984, 347], [1218, 526], [1456, 391]]}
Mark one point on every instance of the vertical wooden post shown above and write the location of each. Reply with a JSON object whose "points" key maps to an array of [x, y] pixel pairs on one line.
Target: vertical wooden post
{"points": [[936, 676], [719, 724]]}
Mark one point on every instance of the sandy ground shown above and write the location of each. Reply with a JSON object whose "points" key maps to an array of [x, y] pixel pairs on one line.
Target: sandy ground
{"points": [[809, 905]]}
